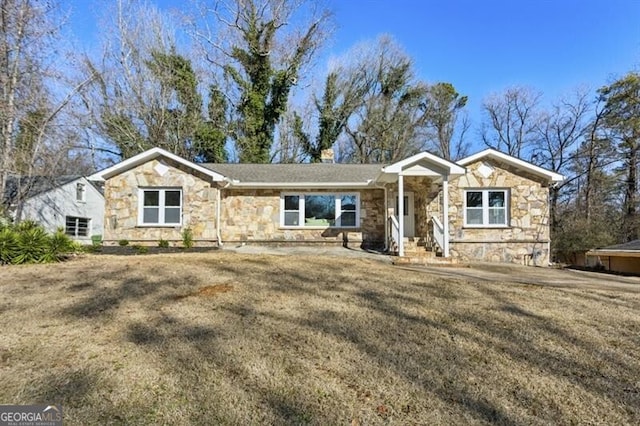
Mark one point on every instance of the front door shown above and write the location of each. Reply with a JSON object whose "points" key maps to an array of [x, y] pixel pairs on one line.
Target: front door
{"points": [[409, 216]]}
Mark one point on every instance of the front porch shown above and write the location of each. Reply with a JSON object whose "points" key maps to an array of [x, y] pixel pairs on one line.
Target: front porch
{"points": [[418, 227]]}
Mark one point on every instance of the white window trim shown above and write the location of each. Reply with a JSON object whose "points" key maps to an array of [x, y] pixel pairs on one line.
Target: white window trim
{"points": [[301, 209], [81, 189], [161, 202], [485, 208], [77, 220]]}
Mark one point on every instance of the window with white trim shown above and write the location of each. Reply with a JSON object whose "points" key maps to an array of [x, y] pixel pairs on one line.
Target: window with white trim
{"points": [[81, 192], [486, 207], [335, 210], [160, 207], [76, 226]]}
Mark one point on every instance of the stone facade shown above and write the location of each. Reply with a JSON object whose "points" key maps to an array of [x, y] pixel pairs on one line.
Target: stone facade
{"points": [[122, 208], [526, 238], [253, 215]]}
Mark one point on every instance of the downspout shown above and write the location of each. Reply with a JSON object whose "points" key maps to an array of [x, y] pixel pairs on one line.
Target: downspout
{"points": [[218, 210]]}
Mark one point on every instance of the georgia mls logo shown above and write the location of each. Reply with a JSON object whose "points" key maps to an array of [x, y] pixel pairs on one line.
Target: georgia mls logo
{"points": [[30, 415]]}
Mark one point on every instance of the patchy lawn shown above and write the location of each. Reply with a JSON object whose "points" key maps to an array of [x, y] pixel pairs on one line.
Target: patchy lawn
{"points": [[224, 338]]}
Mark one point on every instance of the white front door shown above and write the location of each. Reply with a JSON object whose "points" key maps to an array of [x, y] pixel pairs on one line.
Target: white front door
{"points": [[409, 216]]}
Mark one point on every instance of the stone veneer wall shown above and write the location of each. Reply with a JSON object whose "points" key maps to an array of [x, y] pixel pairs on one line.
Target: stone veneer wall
{"points": [[422, 195], [525, 240], [253, 215], [121, 205]]}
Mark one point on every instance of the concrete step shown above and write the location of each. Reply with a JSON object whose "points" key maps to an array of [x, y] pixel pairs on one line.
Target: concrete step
{"points": [[426, 261]]}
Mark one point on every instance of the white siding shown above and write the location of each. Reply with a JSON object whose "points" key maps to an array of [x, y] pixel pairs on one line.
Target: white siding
{"points": [[50, 208]]}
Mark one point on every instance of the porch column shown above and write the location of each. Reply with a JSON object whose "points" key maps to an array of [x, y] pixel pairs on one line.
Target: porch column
{"points": [[401, 214], [445, 214]]}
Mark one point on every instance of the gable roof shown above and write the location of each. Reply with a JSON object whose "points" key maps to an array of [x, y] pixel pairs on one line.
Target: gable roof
{"points": [[151, 154], [36, 185], [425, 159], [297, 175], [513, 161]]}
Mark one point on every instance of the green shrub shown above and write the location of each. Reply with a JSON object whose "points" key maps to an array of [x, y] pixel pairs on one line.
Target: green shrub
{"points": [[187, 237], [123, 243], [163, 243], [140, 249], [28, 242], [26, 225], [8, 245], [59, 245], [32, 245]]}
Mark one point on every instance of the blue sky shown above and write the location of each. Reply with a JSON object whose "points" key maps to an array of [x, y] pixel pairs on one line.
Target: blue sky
{"points": [[483, 46]]}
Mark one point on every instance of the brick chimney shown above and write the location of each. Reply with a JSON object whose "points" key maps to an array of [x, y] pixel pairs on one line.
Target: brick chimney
{"points": [[327, 156]]}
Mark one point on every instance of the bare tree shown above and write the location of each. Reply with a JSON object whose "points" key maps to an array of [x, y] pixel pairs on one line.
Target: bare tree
{"points": [[447, 121], [260, 55], [511, 120], [35, 93], [378, 111], [559, 132]]}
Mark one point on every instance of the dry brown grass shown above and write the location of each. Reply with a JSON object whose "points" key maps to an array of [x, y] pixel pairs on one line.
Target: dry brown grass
{"points": [[222, 338]]}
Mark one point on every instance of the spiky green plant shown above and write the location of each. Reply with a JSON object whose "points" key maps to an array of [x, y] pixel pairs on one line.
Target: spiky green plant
{"points": [[32, 244], [8, 245]]}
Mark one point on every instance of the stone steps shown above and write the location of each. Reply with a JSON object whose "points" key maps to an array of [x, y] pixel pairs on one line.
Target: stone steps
{"points": [[417, 253]]}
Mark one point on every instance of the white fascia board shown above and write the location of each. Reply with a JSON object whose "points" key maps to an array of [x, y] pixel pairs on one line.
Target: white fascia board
{"points": [[516, 162], [398, 167], [148, 155], [285, 185]]}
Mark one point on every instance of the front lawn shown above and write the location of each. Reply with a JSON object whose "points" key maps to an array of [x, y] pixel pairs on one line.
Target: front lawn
{"points": [[224, 338]]}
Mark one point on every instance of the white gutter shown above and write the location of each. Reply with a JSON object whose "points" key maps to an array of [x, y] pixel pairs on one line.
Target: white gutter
{"points": [[327, 185]]}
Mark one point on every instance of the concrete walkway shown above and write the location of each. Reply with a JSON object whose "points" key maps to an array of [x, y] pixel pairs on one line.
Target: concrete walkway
{"points": [[561, 278]]}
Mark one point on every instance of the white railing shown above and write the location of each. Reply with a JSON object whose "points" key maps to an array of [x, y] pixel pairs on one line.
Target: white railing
{"points": [[438, 232], [395, 231]]}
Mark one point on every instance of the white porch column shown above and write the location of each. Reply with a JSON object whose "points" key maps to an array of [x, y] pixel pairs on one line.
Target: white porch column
{"points": [[445, 214], [401, 214]]}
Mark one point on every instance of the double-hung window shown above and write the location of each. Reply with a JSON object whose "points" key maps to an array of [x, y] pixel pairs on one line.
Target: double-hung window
{"points": [[486, 208], [160, 207], [341, 210]]}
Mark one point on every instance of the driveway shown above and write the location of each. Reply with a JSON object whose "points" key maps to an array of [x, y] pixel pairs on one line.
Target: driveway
{"points": [[493, 272], [563, 278]]}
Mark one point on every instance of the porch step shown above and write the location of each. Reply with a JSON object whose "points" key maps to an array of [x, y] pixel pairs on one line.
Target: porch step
{"points": [[425, 260]]}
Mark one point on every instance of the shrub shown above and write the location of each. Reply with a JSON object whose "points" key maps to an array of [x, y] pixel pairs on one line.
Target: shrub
{"points": [[123, 243], [28, 242], [187, 237], [8, 246], [32, 245], [163, 243], [140, 249]]}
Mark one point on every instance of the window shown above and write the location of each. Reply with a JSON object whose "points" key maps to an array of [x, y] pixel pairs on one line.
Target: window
{"points": [[320, 210], [81, 192], [76, 226], [486, 208], [161, 207]]}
